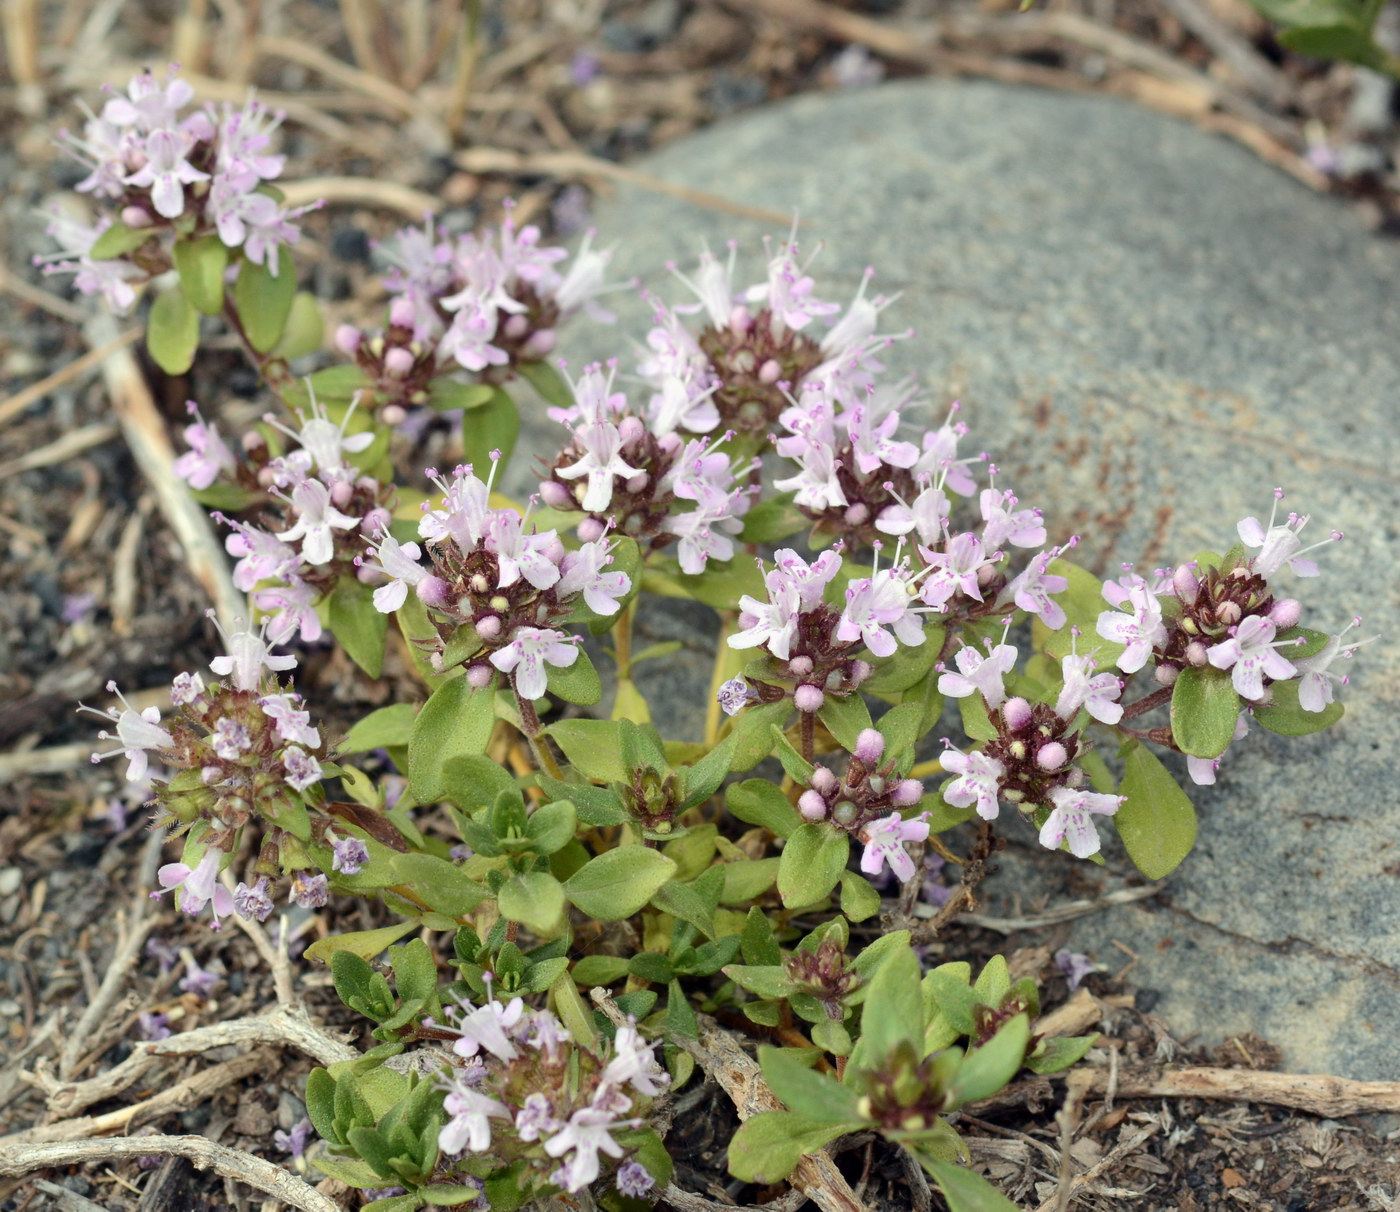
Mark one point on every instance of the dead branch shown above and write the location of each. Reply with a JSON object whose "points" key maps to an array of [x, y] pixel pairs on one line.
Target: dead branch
{"points": [[230, 1163], [1316, 1093]]}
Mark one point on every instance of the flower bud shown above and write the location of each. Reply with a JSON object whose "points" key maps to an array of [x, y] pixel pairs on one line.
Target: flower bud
{"points": [[823, 780], [393, 414], [266, 477], [1051, 756], [1016, 712], [590, 529], [347, 339], [870, 745], [1196, 654], [808, 698], [800, 666], [740, 319], [636, 483], [540, 345], [1166, 675], [555, 495], [432, 591], [860, 670], [986, 574], [253, 442], [401, 313], [1286, 613], [398, 362], [1186, 585], [908, 792], [812, 807], [770, 372], [856, 514], [1228, 613], [631, 429], [135, 216], [479, 676], [845, 813], [488, 627], [515, 327], [341, 492]]}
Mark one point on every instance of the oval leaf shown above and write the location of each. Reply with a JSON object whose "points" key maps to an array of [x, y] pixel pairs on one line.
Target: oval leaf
{"points": [[1156, 821], [201, 264], [172, 332], [457, 720], [619, 882], [263, 300], [1204, 710], [811, 863]]}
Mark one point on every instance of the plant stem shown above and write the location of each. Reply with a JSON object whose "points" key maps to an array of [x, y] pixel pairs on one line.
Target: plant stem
{"points": [[622, 641], [1155, 699], [809, 732], [717, 678], [530, 726]]}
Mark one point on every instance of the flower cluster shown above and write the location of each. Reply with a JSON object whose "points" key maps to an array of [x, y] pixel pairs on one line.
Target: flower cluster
{"points": [[741, 370], [654, 485], [243, 747], [484, 303], [1030, 761], [492, 573], [159, 170], [1226, 615], [866, 802], [320, 510], [524, 1091]]}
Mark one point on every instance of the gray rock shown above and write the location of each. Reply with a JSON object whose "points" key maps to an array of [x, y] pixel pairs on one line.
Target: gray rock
{"points": [[1150, 329]]}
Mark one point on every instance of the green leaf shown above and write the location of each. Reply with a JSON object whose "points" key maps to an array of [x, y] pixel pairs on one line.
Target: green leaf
{"points": [[596, 806], [355, 1173], [172, 332], [360, 628], [859, 900], [263, 301], [773, 519], [494, 425], [594, 970], [441, 885], [987, 1069], [806, 1091], [811, 863], [680, 1018], [448, 395], [845, 718], [747, 879], [759, 802], [472, 781], [552, 387], [593, 747], [201, 264], [798, 768], [765, 980], [1205, 708], [684, 902], [1337, 42], [893, 1014], [753, 728], [415, 973], [457, 720], [551, 827], [994, 981], [768, 1147], [965, 1190], [1058, 1054], [907, 667], [447, 1195], [320, 1104], [384, 728], [976, 723], [702, 779], [1302, 642], [1082, 603], [577, 683], [305, 330], [118, 240], [535, 900], [1285, 717], [1156, 821], [364, 943], [617, 883], [900, 726], [758, 942]]}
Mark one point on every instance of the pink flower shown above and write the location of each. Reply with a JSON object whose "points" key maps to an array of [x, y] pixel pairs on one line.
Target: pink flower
{"points": [[601, 462], [208, 455], [1098, 694], [1140, 631], [1071, 819], [588, 1132], [166, 172], [1251, 653], [884, 843], [530, 650], [978, 782], [470, 1126], [980, 673], [248, 655], [198, 885], [137, 731]]}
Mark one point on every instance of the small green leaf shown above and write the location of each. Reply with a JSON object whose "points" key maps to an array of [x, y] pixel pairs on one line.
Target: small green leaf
{"points": [[987, 1069], [845, 718], [753, 729], [798, 768], [1082, 603], [172, 332], [908, 666], [456, 720], [994, 981], [805, 1091], [900, 728], [1284, 716], [593, 747], [201, 264], [473, 781], [684, 902], [773, 519], [893, 1013], [1058, 1054], [551, 827], [438, 883], [364, 943], [811, 863], [965, 1190], [680, 1018], [617, 883], [263, 301], [759, 802], [758, 942], [305, 330], [768, 1147], [384, 728], [357, 625], [747, 879], [446, 1195], [535, 900], [702, 779], [1156, 821], [1205, 708], [594, 970], [976, 723], [552, 387], [448, 395], [858, 899], [577, 683], [494, 425], [118, 240], [415, 972]]}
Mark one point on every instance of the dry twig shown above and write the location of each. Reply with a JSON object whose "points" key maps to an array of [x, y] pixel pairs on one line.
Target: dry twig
{"points": [[1050, 917], [362, 191], [230, 1163]]}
